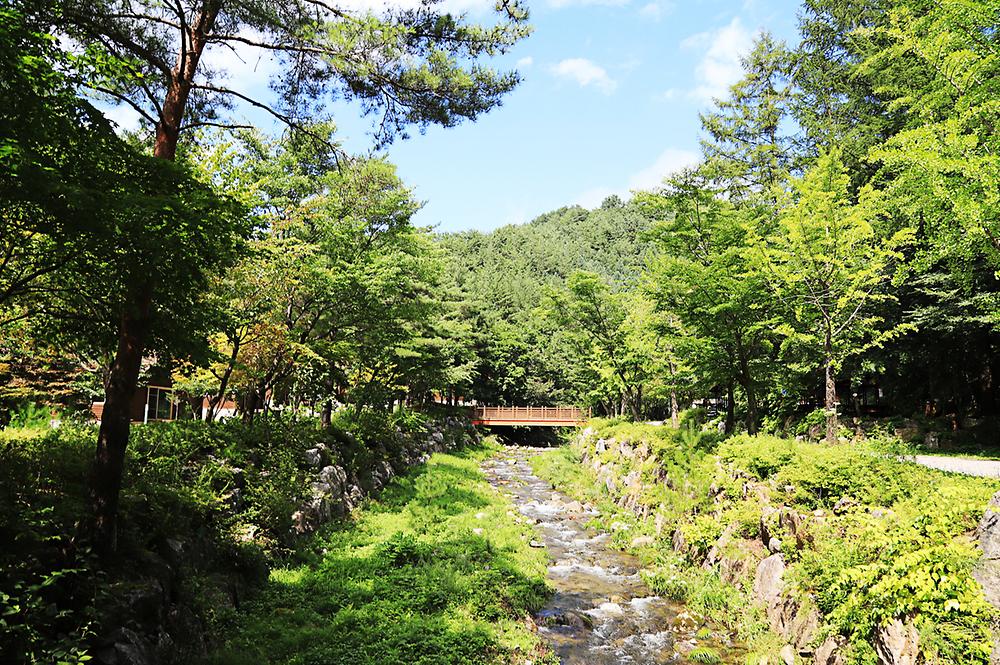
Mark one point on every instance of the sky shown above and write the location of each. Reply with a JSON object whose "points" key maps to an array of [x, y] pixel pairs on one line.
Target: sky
{"points": [[609, 103]]}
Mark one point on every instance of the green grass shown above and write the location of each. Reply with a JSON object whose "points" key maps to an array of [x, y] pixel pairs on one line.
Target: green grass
{"points": [[411, 580]]}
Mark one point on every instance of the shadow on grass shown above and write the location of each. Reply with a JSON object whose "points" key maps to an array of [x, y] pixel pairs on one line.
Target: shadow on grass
{"points": [[403, 584]]}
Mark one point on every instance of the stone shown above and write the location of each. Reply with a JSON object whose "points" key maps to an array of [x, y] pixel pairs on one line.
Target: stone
{"points": [[787, 654], [897, 643], [477, 531], [642, 541], [313, 456], [678, 541], [537, 544], [774, 545], [843, 504], [987, 569], [828, 653], [769, 581]]}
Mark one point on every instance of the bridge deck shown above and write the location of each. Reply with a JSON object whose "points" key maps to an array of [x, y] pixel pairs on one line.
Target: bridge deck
{"points": [[529, 416]]}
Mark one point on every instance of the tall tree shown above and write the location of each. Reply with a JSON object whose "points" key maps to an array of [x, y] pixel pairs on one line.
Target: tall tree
{"points": [[830, 268], [408, 66]]}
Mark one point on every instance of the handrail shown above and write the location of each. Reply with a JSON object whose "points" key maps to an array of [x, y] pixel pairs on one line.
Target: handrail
{"points": [[569, 414]]}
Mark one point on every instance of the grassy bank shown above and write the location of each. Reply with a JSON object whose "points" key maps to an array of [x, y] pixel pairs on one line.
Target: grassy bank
{"points": [[860, 539], [207, 509], [437, 571]]}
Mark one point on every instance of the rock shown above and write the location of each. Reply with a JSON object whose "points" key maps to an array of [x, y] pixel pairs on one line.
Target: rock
{"points": [[987, 570], [843, 504], [774, 545], [787, 654], [769, 581], [477, 531], [600, 446], [897, 643], [678, 541], [642, 541], [766, 512], [126, 647], [574, 507], [932, 440], [536, 544], [828, 653], [314, 456], [803, 627]]}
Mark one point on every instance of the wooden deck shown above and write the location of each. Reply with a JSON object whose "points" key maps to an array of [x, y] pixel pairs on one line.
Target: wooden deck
{"points": [[529, 416]]}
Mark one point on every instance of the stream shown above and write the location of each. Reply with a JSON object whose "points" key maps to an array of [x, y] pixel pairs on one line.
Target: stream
{"points": [[601, 611]]}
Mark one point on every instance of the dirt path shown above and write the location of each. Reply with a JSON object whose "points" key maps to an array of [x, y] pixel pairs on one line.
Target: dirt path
{"points": [[968, 466], [601, 612]]}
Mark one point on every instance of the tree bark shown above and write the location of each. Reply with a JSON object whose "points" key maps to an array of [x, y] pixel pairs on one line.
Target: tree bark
{"points": [[116, 419], [830, 403], [730, 407], [134, 326]]}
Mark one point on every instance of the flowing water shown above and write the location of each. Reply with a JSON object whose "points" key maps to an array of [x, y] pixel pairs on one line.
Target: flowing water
{"points": [[601, 612]]}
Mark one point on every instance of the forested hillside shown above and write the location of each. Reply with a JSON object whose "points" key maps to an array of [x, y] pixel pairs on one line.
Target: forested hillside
{"points": [[505, 279]]}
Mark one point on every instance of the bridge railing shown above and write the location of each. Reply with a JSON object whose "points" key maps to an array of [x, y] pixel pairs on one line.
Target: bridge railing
{"points": [[564, 414]]}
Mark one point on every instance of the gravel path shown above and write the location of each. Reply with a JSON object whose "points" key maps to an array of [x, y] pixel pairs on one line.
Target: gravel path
{"points": [[970, 467]]}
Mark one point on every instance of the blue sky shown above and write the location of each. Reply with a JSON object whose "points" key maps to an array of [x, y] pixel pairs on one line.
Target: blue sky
{"points": [[609, 103]]}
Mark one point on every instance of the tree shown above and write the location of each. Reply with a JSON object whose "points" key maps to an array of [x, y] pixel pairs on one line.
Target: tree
{"points": [[703, 275], [414, 67], [746, 149], [829, 268], [602, 319]]}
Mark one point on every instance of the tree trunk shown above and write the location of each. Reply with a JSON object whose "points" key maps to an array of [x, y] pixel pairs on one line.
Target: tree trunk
{"points": [[220, 397], [112, 438], [326, 417], [675, 415], [674, 408], [830, 403], [730, 407]]}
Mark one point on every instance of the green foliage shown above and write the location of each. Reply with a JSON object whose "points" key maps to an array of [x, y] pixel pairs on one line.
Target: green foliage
{"points": [[704, 655], [899, 549], [224, 492], [409, 582]]}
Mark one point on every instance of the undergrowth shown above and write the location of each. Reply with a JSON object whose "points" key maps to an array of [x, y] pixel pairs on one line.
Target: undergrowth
{"points": [[899, 544]]}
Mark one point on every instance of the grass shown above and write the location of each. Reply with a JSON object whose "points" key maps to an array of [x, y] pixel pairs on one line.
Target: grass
{"points": [[437, 571]]}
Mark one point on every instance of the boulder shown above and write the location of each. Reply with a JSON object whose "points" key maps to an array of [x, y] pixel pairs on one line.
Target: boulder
{"points": [[987, 570], [787, 654], [828, 653], [642, 541], [897, 643], [769, 581]]}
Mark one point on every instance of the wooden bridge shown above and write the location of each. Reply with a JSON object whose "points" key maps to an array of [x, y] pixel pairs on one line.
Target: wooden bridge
{"points": [[529, 416]]}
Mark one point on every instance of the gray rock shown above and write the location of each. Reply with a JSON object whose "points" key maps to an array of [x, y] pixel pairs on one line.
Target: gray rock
{"points": [[897, 643], [787, 654], [774, 545], [828, 653], [987, 570], [769, 581], [843, 504]]}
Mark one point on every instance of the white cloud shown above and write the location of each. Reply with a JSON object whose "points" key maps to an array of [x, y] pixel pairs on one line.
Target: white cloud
{"points": [[585, 73], [656, 10], [720, 65], [559, 4], [668, 162], [452, 6], [124, 116], [525, 62], [594, 197]]}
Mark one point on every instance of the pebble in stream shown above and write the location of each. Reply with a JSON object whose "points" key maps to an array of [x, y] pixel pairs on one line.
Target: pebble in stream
{"points": [[601, 611]]}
